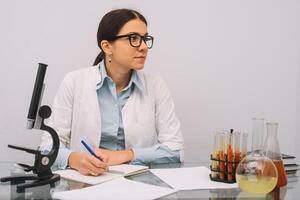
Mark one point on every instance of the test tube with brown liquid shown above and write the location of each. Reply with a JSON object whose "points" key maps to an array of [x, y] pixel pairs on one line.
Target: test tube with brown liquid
{"points": [[236, 148], [229, 153]]}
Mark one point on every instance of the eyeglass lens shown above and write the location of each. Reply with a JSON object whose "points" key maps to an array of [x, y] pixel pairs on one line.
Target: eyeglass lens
{"points": [[136, 40]]}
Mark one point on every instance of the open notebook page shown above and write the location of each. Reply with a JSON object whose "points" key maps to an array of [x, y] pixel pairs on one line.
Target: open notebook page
{"points": [[114, 172], [128, 169], [74, 175]]}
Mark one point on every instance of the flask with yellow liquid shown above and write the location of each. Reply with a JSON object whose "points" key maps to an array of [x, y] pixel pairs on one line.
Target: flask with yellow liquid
{"points": [[256, 173]]}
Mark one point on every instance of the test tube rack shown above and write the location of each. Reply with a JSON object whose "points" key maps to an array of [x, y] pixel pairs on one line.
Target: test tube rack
{"points": [[222, 175]]}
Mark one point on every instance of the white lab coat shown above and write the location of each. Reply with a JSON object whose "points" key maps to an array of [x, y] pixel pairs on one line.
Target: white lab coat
{"points": [[148, 117]]}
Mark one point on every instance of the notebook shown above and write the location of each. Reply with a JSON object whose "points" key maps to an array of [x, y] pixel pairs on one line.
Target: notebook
{"points": [[128, 170], [121, 188], [114, 172]]}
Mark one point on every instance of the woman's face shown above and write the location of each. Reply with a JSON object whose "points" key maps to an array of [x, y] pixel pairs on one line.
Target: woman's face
{"points": [[125, 55]]}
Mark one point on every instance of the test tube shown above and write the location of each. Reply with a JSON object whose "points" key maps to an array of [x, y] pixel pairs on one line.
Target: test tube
{"points": [[229, 153], [244, 145], [214, 164], [236, 150], [221, 158], [236, 144]]}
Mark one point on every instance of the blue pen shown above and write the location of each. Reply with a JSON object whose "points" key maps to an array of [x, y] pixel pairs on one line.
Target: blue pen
{"points": [[90, 150]]}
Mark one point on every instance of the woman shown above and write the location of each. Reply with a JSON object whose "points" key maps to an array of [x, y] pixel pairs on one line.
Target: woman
{"points": [[125, 114]]}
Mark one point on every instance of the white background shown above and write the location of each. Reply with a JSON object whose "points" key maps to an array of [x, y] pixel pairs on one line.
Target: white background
{"points": [[224, 61]]}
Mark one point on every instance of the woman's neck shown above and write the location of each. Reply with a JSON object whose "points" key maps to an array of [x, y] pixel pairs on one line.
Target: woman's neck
{"points": [[120, 75]]}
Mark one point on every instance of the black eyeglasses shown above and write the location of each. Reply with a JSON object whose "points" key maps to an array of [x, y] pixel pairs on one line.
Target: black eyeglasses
{"points": [[136, 39]]}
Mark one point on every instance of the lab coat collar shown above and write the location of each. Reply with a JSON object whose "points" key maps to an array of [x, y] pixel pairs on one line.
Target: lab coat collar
{"points": [[135, 78]]}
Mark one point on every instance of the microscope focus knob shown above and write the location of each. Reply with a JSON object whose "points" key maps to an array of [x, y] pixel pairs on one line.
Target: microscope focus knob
{"points": [[45, 160], [45, 112]]}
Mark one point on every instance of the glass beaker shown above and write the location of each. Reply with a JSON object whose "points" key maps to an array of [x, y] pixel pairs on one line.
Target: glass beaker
{"points": [[271, 150], [256, 173]]}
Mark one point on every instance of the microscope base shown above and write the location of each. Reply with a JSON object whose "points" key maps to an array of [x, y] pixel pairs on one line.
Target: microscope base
{"points": [[37, 181]]}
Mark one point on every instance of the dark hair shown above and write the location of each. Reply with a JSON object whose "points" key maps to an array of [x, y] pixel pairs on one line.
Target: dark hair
{"points": [[112, 23]]}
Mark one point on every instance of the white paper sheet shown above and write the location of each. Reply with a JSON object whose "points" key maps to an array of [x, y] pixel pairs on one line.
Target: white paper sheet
{"points": [[189, 178], [116, 171], [121, 188]]}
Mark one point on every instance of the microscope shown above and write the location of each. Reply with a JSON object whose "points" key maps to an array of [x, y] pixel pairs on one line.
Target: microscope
{"points": [[41, 170]]}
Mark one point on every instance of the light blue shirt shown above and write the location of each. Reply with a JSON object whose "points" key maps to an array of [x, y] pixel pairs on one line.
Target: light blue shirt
{"points": [[111, 104], [112, 136], [112, 132]]}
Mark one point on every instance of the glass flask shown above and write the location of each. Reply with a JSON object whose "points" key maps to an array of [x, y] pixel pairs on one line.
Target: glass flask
{"points": [[256, 173], [271, 150]]}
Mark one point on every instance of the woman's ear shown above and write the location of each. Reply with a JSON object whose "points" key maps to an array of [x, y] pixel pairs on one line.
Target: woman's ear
{"points": [[106, 47]]}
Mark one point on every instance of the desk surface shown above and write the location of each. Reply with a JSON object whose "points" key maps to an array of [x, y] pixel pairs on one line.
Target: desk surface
{"points": [[291, 191]]}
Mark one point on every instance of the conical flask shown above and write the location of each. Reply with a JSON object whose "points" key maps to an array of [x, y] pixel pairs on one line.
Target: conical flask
{"points": [[256, 173], [271, 150]]}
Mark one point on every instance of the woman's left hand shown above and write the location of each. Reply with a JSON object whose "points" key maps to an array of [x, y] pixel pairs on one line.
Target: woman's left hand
{"points": [[116, 157]]}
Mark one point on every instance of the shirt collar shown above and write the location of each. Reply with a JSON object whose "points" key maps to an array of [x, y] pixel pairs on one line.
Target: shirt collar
{"points": [[103, 74], [135, 78]]}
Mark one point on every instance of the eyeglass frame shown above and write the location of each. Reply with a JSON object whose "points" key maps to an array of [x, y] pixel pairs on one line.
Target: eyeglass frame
{"points": [[129, 38]]}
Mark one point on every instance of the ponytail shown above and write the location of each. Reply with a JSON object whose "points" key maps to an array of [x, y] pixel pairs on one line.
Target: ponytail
{"points": [[99, 58]]}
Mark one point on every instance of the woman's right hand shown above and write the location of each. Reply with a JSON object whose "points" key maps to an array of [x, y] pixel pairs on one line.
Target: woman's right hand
{"points": [[87, 164]]}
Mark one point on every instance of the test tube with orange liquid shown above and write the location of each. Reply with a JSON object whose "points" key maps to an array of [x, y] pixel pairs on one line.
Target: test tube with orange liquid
{"points": [[229, 153], [236, 149]]}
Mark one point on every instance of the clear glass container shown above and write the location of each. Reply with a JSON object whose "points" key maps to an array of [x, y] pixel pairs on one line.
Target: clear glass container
{"points": [[236, 151], [221, 155], [230, 156], [256, 173], [244, 145], [214, 164], [236, 146], [271, 149]]}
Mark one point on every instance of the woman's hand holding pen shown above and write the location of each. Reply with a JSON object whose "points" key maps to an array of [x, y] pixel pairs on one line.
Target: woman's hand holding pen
{"points": [[88, 164], [116, 157]]}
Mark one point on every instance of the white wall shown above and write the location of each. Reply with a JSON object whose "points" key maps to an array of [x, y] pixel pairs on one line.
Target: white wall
{"points": [[224, 61], [297, 133]]}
